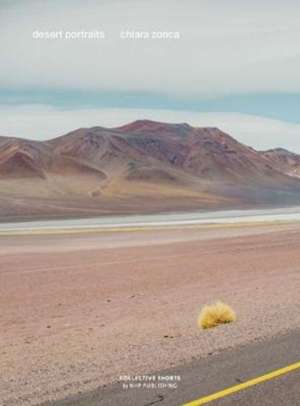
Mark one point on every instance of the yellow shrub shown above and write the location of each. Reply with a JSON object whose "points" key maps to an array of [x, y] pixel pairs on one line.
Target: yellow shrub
{"points": [[213, 315]]}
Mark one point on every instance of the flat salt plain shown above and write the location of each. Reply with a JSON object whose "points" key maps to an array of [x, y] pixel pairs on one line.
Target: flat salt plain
{"points": [[158, 220]]}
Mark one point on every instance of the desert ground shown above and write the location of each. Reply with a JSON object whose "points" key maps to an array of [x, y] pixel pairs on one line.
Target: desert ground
{"points": [[79, 310]]}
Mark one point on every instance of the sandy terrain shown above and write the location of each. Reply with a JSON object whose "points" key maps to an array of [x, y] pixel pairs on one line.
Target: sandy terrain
{"points": [[79, 310]]}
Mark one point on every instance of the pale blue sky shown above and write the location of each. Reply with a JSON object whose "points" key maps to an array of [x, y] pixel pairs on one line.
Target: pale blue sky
{"points": [[283, 106], [235, 58]]}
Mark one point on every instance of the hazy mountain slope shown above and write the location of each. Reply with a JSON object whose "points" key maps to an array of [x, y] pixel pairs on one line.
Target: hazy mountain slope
{"points": [[284, 161], [205, 152], [141, 167]]}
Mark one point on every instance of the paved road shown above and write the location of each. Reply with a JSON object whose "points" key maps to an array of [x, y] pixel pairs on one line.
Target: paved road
{"points": [[157, 220], [217, 372]]}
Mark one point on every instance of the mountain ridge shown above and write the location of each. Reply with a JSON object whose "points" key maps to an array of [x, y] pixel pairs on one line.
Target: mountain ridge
{"points": [[141, 166]]}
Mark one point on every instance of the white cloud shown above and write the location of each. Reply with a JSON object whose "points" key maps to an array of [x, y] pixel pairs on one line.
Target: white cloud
{"points": [[225, 46], [43, 122]]}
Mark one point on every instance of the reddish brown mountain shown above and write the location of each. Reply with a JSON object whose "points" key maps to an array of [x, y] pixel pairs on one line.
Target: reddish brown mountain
{"points": [[284, 161], [141, 167]]}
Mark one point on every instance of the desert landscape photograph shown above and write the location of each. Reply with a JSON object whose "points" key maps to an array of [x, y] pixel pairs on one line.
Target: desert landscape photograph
{"points": [[149, 203]]}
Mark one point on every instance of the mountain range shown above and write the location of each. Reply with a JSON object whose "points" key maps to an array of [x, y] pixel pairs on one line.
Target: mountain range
{"points": [[144, 166]]}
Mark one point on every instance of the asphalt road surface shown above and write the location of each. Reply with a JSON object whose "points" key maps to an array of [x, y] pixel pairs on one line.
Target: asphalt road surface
{"points": [[157, 220], [213, 374]]}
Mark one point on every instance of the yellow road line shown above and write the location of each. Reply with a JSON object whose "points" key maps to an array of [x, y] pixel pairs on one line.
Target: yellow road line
{"points": [[245, 385]]}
